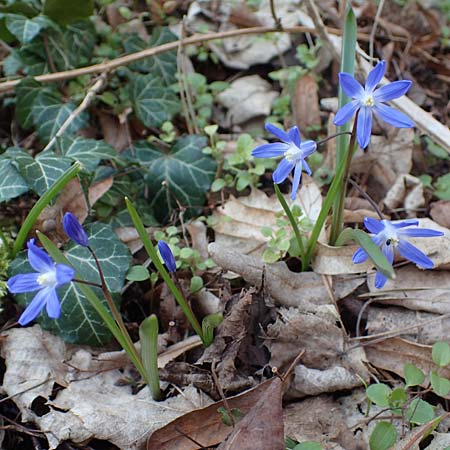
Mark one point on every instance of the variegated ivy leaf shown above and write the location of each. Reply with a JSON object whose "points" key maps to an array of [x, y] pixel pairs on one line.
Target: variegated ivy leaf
{"points": [[11, 183], [163, 65], [49, 113], [79, 323], [152, 101], [26, 93], [25, 29], [40, 172], [181, 176], [88, 151]]}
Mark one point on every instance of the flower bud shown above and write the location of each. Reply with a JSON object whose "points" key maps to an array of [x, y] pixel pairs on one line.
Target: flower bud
{"points": [[167, 256], [74, 230]]}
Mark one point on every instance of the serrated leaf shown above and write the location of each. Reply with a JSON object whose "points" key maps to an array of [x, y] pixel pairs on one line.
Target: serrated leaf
{"points": [[25, 29], [49, 113], [181, 176], [88, 151], [12, 183], [441, 354], [41, 172], [419, 412], [79, 323], [379, 394], [69, 10], [383, 436], [413, 375], [153, 103], [440, 385]]}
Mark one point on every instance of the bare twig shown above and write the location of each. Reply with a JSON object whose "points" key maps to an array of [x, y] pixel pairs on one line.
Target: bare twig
{"points": [[92, 92], [193, 40], [367, 197], [374, 29], [276, 19]]}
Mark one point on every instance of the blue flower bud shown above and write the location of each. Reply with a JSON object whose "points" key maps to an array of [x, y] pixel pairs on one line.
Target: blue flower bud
{"points": [[167, 256], [74, 230]]}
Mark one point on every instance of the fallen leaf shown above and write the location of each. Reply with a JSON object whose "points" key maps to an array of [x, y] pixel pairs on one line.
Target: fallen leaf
{"points": [[305, 103], [406, 192], [440, 212]]}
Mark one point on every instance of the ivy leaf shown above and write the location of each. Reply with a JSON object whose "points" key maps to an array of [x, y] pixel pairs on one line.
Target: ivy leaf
{"points": [[69, 10], [24, 29], [180, 177], [49, 113], [163, 65], [79, 323], [41, 172], [88, 151], [26, 93], [12, 183], [152, 102]]}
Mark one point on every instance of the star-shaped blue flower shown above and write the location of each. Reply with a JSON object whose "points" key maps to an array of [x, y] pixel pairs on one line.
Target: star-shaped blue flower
{"points": [[388, 236], [369, 100], [294, 152], [48, 277]]}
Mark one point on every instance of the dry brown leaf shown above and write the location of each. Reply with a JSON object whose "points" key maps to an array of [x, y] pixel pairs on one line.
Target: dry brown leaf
{"points": [[305, 103], [440, 212], [406, 192], [115, 132], [262, 427], [130, 236]]}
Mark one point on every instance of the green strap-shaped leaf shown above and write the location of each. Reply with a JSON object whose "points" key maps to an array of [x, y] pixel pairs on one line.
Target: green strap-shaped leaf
{"points": [[180, 177], [12, 183], [79, 322], [365, 241], [153, 102]]}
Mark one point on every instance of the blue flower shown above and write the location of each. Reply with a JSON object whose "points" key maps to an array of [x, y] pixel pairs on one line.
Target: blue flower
{"points": [[294, 152], [369, 100], [74, 230], [167, 256], [388, 236], [48, 277]]}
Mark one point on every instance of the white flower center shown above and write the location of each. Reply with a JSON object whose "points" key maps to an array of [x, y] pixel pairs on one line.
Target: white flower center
{"points": [[390, 235], [47, 278], [293, 154], [368, 100]]}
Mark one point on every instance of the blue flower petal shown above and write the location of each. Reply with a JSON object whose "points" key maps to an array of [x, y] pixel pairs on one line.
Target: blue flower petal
{"points": [[34, 308], [364, 126], [308, 147], [392, 90], [167, 256], [350, 86], [346, 113], [375, 76], [419, 232], [294, 136], [64, 274], [23, 282], [278, 132], [282, 171], [74, 230], [297, 178], [413, 254], [38, 258], [53, 305], [359, 256], [392, 116], [373, 225], [380, 280], [388, 251], [405, 223], [270, 150], [307, 168]]}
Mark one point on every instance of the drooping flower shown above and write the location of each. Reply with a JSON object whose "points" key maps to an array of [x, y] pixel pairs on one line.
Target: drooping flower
{"points": [[294, 152], [167, 256], [74, 229], [389, 236], [369, 101], [48, 277]]}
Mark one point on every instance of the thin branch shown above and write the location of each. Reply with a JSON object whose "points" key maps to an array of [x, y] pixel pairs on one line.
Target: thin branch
{"points": [[276, 19], [374, 29], [193, 40]]}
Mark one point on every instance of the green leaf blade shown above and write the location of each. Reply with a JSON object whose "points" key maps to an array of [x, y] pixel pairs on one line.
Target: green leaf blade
{"points": [[413, 375], [383, 436]]}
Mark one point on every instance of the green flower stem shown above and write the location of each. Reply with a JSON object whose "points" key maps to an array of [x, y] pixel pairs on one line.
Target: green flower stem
{"points": [[338, 210], [56, 254], [148, 334], [32, 216], [292, 221], [163, 272]]}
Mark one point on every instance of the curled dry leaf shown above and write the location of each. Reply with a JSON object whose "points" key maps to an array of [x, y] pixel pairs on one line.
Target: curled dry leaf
{"points": [[406, 192], [440, 212], [305, 103]]}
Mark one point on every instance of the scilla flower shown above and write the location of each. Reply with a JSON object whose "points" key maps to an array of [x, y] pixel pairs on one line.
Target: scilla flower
{"points": [[294, 152], [74, 230], [167, 256], [48, 277], [369, 100], [389, 236]]}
